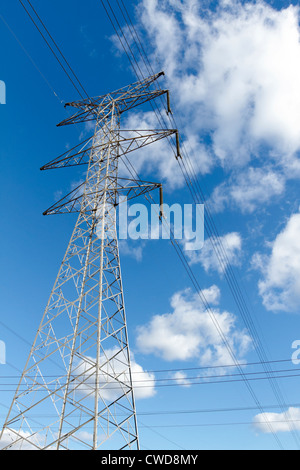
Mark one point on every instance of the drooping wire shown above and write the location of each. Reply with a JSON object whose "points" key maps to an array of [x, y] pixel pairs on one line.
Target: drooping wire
{"points": [[223, 258], [55, 43], [191, 380], [31, 59], [53, 51], [211, 314]]}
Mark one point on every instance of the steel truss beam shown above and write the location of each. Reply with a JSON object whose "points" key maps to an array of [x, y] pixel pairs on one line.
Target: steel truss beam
{"points": [[72, 203], [97, 109], [125, 140]]}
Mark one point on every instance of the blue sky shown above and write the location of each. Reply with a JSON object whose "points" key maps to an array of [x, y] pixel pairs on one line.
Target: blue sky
{"points": [[233, 72]]}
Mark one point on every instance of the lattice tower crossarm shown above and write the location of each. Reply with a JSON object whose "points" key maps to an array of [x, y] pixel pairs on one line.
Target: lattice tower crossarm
{"points": [[77, 389]]}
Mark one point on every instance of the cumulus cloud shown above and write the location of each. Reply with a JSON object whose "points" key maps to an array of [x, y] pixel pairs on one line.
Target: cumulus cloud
{"points": [[278, 422], [234, 75], [218, 253], [189, 332], [239, 63], [280, 286], [158, 159], [248, 189]]}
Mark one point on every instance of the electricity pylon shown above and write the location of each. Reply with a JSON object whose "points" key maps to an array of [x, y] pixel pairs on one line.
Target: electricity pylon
{"points": [[77, 389]]}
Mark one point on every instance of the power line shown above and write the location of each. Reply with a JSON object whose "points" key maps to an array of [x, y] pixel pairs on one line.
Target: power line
{"points": [[180, 369], [205, 425], [211, 410], [193, 411], [112, 386], [118, 35], [55, 43], [194, 281], [206, 378], [63, 69], [53, 51], [223, 259]]}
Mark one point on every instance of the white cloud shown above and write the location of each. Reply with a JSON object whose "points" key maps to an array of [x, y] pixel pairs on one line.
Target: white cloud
{"points": [[228, 247], [190, 332], [278, 422], [240, 64], [113, 365], [248, 189], [234, 77], [280, 287]]}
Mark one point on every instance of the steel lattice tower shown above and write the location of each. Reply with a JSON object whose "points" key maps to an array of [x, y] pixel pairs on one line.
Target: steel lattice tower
{"points": [[76, 390]]}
